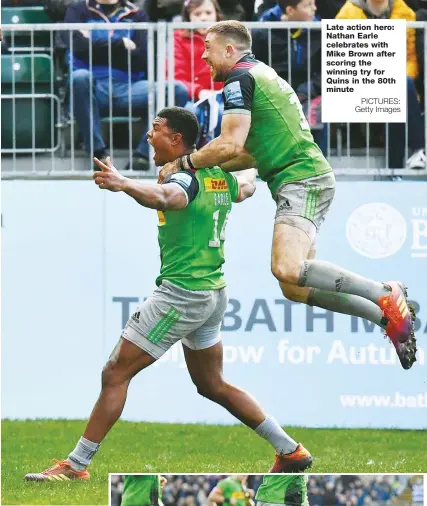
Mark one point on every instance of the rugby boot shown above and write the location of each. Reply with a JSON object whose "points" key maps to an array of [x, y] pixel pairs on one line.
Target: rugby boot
{"points": [[295, 462], [61, 471], [400, 327]]}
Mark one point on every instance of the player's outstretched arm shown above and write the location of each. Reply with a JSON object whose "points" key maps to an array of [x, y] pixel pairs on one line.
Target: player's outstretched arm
{"points": [[247, 183], [152, 195], [156, 196]]}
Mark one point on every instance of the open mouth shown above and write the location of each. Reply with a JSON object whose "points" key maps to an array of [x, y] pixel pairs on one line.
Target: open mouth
{"points": [[151, 144]]}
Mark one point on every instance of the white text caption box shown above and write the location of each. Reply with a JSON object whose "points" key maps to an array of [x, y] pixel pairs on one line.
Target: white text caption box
{"points": [[364, 71]]}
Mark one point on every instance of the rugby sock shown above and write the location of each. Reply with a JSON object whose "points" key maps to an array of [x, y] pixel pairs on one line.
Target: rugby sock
{"points": [[347, 304], [82, 454], [271, 431], [330, 277]]}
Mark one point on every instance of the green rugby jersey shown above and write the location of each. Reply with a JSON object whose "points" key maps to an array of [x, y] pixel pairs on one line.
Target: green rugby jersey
{"points": [[142, 491], [283, 489], [232, 488], [279, 137], [191, 240]]}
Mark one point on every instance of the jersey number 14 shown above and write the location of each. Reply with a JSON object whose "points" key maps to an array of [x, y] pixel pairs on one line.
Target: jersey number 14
{"points": [[216, 241]]}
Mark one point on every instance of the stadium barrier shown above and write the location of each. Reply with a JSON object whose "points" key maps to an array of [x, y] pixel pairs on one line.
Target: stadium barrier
{"points": [[39, 131]]}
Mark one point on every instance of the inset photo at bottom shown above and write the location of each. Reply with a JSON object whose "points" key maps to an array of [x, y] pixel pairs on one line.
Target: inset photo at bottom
{"points": [[266, 490]]}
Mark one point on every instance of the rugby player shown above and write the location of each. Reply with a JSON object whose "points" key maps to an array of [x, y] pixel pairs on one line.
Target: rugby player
{"points": [[232, 490], [143, 490], [263, 119], [279, 490], [190, 301]]}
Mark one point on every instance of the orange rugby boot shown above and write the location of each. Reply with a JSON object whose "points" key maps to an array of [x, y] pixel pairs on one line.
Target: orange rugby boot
{"points": [[295, 462], [61, 471], [400, 327]]}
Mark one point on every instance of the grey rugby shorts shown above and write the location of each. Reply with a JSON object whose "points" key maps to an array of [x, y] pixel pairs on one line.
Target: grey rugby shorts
{"points": [[309, 199], [172, 314]]}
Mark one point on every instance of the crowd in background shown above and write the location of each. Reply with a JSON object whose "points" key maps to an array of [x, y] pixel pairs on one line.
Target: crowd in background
{"points": [[323, 490], [193, 88]]}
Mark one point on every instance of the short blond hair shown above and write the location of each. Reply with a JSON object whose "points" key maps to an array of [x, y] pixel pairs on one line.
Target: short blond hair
{"points": [[233, 30]]}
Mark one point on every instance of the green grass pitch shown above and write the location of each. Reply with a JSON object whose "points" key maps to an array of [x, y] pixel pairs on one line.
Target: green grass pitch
{"points": [[29, 446]]}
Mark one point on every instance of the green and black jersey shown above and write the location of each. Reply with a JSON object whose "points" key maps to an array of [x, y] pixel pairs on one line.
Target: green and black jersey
{"points": [[279, 138], [233, 489], [142, 491], [192, 239], [283, 489]]}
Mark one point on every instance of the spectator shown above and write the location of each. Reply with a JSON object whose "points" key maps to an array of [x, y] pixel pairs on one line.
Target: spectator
{"points": [[326, 10], [420, 35], [316, 496], [330, 497], [417, 489], [302, 54], [190, 69], [265, 6], [56, 9], [233, 9], [165, 10], [414, 4], [330, 8], [398, 9], [126, 45], [190, 500], [249, 7]]}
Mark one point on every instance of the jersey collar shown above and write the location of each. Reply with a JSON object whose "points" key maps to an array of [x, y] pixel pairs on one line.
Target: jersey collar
{"points": [[247, 58]]}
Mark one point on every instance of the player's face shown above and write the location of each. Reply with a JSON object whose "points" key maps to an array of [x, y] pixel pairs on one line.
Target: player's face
{"points": [[304, 11], [205, 13], [216, 56], [161, 137]]}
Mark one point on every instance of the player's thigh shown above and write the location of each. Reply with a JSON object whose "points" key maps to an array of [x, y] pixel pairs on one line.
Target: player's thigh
{"points": [[168, 316], [125, 361], [301, 209], [309, 199], [205, 366], [209, 333], [203, 349]]}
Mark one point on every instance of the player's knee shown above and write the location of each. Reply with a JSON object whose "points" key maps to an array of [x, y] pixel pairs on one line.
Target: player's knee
{"points": [[293, 292], [111, 375], [212, 390], [285, 274], [206, 391]]}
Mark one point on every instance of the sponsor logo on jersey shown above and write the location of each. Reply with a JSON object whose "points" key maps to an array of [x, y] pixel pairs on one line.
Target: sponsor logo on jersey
{"points": [[233, 94], [162, 219], [238, 495], [215, 185]]}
